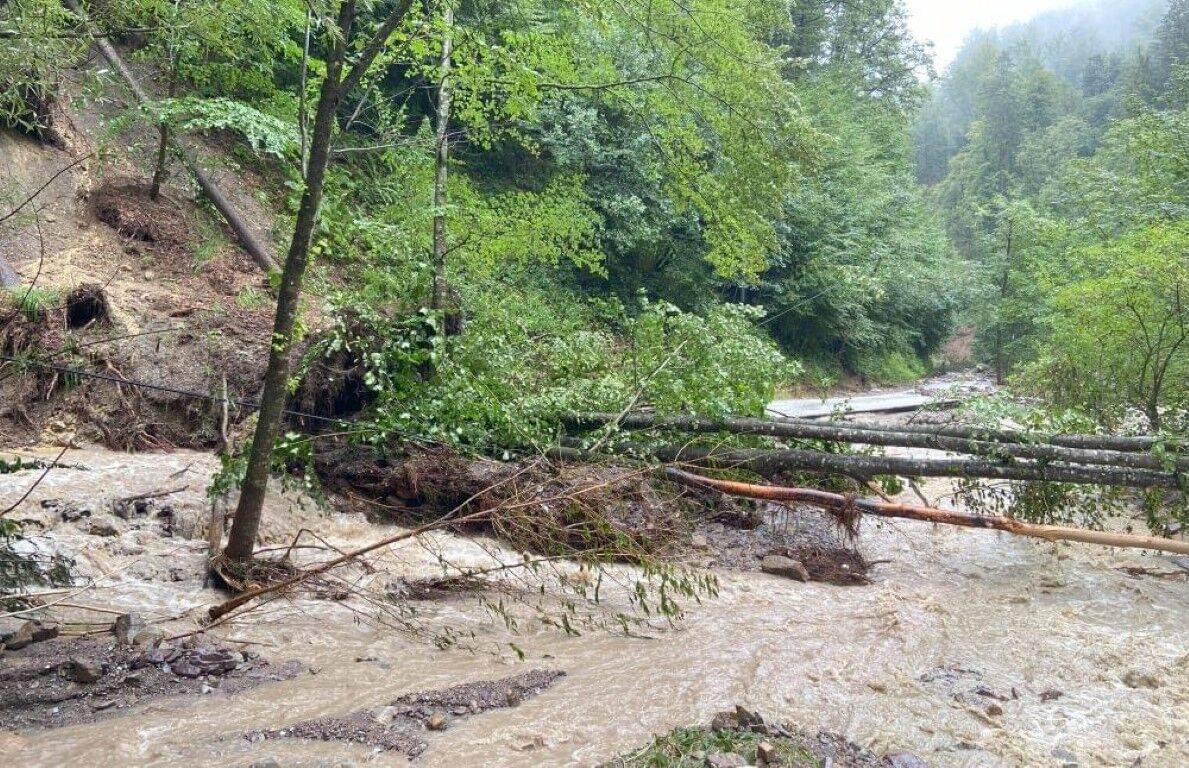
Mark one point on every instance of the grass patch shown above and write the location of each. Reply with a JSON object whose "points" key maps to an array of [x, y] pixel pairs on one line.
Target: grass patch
{"points": [[691, 747]]}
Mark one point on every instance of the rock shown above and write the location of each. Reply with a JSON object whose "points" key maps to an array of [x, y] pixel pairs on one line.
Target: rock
{"points": [[766, 754], [436, 722], [1068, 759], [1052, 694], [71, 513], [128, 626], [994, 710], [724, 721], [81, 670], [1136, 679], [270, 763], [779, 565], [725, 760], [905, 760], [150, 638], [513, 697], [103, 528], [205, 660], [1180, 561], [747, 718], [699, 541], [30, 632]]}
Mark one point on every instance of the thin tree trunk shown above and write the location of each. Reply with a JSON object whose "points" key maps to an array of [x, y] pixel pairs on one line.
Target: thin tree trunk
{"points": [[440, 288], [844, 433], [241, 541], [927, 514], [163, 140]]}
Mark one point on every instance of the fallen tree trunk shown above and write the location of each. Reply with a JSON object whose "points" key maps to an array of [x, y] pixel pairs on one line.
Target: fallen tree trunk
{"points": [[837, 501], [846, 433], [1129, 443], [213, 191], [771, 462]]}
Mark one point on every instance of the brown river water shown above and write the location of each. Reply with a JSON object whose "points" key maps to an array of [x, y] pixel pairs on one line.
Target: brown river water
{"points": [[951, 610]]}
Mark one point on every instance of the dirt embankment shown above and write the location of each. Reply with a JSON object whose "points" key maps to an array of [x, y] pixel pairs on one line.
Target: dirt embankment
{"points": [[115, 284]]}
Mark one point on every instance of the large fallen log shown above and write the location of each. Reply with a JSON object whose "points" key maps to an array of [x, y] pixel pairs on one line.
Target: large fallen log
{"points": [[213, 191], [843, 432], [837, 501], [768, 463], [1133, 443]]}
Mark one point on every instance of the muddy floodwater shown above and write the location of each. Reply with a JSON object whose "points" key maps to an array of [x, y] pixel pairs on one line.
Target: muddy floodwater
{"points": [[969, 648]]}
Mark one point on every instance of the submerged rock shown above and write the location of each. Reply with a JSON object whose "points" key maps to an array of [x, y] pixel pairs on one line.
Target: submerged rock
{"points": [[779, 565], [31, 631]]}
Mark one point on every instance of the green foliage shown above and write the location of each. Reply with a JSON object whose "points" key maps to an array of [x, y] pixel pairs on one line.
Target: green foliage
{"points": [[688, 747], [266, 134], [38, 38], [529, 357], [1118, 335]]}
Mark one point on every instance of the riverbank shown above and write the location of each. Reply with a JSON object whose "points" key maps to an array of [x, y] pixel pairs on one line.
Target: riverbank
{"points": [[967, 648]]}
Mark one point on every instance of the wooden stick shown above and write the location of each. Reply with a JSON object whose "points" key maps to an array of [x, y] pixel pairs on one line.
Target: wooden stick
{"points": [[828, 500]]}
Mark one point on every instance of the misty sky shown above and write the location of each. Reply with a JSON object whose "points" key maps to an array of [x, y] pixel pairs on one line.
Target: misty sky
{"points": [[946, 22]]}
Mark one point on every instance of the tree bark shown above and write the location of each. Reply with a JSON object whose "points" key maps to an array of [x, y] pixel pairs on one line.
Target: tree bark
{"points": [[845, 433], [927, 514], [214, 193], [768, 463], [163, 139], [440, 289], [241, 541], [1129, 443]]}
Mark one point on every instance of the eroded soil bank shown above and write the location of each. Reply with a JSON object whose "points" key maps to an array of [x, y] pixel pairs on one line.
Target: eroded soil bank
{"points": [[967, 648]]}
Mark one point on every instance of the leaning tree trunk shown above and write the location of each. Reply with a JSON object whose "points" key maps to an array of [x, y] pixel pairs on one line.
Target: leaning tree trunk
{"points": [[241, 542], [441, 159], [213, 191]]}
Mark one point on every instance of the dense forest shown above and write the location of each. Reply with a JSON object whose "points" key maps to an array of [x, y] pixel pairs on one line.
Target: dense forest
{"points": [[1058, 154], [641, 383], [728, 183]]}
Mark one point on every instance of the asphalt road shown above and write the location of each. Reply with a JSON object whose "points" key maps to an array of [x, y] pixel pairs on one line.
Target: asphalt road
{"points": [[884, 402]]}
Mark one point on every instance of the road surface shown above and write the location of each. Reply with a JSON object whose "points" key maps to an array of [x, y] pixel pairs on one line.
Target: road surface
{"points": [[885, 402]]}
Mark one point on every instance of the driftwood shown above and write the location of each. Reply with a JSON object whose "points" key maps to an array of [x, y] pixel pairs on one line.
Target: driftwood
{"points": [[836, 501], [213, 191], [768, 463], [847, 433]]}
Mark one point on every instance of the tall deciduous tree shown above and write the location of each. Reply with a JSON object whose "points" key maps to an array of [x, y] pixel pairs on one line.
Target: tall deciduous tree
{"points": [[338, 81]]}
